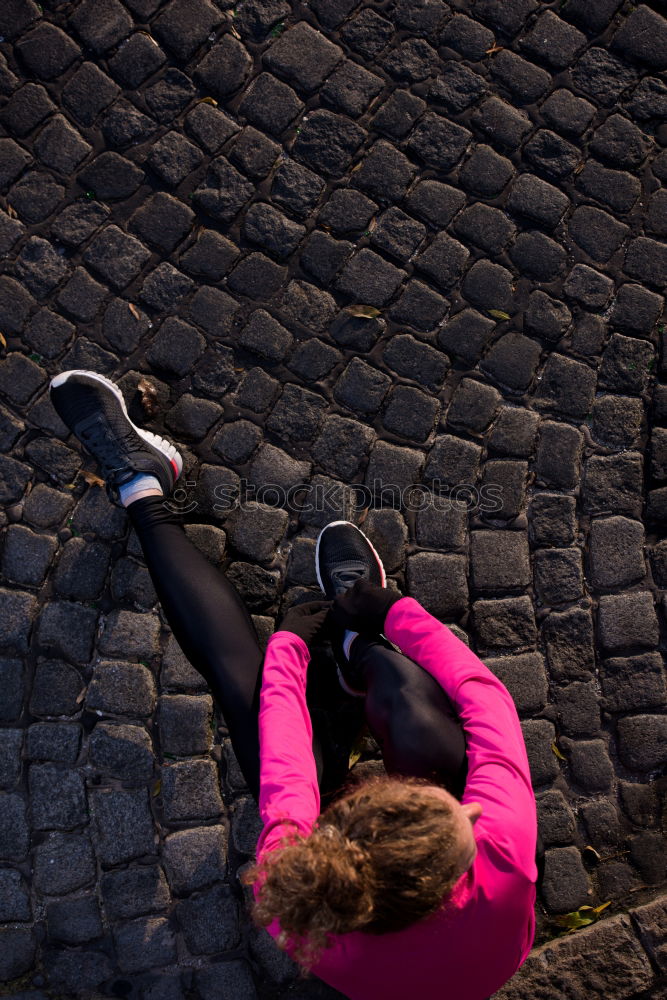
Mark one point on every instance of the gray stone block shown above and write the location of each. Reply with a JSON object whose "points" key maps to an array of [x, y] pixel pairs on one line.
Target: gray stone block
{"points": [[634, 682], [121, 688], [640, 802], [17, 951], [95, 513], [68, 630], [144, 944], [642, 741], [128, 634], [505, 623], [616, 552], [81, 570], [558, 575], [568, 637], [615, 879], [195, 858], [210, 541], [57, 797], [602, 822], [577, 707], [388, 533], [177, 672], [56, 688], [246, 825], [209, 921], [254, 529], [301, 566], [63, 862], [590, 765], [191, 790], [499, 561], [439, 583], [26, 555], [130, 581], [18, 611], [442, 523], [539, 736], [556, 821], [225, 979], [74, 921], [651, 920], [53, 741], [185, 724], [627, 620], [647, 853], [166, 987], [134, 891], [11, 742], [123, 823], [525, 678], [12, 685], [76, 970], [565, 884], [14, 897], [123, 752], [616, 965]]}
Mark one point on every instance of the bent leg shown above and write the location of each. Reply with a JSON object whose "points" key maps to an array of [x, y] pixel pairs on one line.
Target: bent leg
{"points": [[210, 622], [410, 716]]}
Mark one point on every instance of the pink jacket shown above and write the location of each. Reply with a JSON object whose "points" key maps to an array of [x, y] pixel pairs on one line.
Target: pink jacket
{"points": [[478, 940]]}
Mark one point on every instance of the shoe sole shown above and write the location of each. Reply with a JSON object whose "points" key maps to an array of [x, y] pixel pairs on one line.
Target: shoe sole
{"points": [[169, 450], [333, 524]]}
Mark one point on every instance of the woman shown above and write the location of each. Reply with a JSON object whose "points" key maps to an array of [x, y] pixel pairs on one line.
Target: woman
{"points": [[398, 887]]}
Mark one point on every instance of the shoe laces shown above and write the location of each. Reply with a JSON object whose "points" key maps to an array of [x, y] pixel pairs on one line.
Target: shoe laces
{"points": [[106, 444], [347, 575]]}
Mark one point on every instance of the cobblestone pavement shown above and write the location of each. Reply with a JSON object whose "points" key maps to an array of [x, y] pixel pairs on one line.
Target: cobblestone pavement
{"points": [[201, 194]]}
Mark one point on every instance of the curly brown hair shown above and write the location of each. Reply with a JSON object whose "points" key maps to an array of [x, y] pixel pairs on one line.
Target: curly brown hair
{"points": [[380, 858]]}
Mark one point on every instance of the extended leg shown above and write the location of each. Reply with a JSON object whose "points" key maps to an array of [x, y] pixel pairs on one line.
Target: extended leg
{"points": [[210, 623]]}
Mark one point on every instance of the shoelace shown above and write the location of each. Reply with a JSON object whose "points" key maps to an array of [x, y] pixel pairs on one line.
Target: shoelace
{"points": [[347, 575], [106, 444]]}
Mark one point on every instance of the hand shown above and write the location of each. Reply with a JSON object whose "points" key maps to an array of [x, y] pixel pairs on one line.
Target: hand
{"points": [[306, 620], [364, 607]]}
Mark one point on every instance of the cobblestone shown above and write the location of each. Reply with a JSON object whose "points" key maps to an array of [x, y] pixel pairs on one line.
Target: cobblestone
{"points": [[210, 194], [123, 824], [190, 791], [51, 741], [499, 561], [123, 752], [627, 620], [195, 858], [426, 574], [568, 637], [209, 922], [73, 921], [133, 891]]}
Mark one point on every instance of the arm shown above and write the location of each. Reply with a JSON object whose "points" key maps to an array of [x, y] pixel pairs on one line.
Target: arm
{"points": [[498, 772], [288, 776]]}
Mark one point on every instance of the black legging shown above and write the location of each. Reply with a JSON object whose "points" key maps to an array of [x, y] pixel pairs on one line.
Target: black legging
{"points": [[406, 710]]}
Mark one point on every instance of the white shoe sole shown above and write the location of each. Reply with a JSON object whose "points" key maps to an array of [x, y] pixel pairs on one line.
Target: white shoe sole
{"points": [[333, 524], [170, 452]]}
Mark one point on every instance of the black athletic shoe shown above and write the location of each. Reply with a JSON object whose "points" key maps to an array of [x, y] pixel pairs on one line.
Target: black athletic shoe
{"points": [[94, 410], [344, 555]]}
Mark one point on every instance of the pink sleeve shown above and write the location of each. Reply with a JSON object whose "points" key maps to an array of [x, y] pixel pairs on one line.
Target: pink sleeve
{"points": [[288, 792], [498, 772]]}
